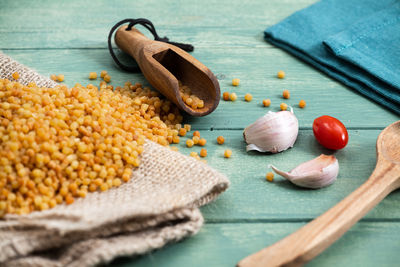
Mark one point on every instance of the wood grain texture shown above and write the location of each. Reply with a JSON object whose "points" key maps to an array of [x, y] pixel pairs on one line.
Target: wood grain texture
{"points": [[302, 246], [367, 244], [257, 70], [251, 197], [69, 37], [84, 24]]}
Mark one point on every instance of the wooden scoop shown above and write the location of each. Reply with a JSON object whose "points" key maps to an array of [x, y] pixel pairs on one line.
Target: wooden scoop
{"points": [[313, 238], [164, 64]]}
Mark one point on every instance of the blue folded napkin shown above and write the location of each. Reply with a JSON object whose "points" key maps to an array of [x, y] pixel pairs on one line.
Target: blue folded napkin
{"points": [[354, 41]]}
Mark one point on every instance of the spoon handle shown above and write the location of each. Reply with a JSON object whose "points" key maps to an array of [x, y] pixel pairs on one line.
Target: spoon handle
{"points": [[313, 238], [133, 42]]}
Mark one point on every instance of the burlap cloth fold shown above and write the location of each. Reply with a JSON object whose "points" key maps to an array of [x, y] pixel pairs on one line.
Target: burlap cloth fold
{"points": [[158, 205]]}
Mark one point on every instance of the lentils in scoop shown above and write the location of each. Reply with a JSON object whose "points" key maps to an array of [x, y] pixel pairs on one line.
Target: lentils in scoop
{"points": [[189, 98], [60, 143]]}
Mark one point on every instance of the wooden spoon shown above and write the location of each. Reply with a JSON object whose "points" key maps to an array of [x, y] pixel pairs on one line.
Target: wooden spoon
{"points": [[313, 238], [164, 64]]}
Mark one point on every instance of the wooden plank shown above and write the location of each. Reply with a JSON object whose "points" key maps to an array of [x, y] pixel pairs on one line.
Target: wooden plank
{"points": [[251, 197], [256, 67], [77, 24], [366, 244], [229, 39]]}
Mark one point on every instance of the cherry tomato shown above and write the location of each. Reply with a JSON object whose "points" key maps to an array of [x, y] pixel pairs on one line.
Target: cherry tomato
{"points": [[330, 132]]}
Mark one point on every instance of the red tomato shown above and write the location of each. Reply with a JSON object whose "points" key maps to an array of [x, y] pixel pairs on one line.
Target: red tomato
{"points": [[330, 132]]}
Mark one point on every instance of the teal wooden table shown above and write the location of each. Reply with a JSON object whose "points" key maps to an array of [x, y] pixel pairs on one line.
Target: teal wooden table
{"points": [[69, 37]]}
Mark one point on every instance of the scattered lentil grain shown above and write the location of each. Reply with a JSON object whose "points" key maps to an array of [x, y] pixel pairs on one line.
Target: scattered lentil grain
{"points": [[302, 104], [286, 94], [107, 78], [248, 97], [203, 152], [220, 140], [103, 73], [92, 75], [266, 102], [225, 96], [235, 82], [60, 77], [195, 139], [15, 75], [269, 176], [202, 142], [233, 97], [175, 139], [182, 131], [281, 74], [189, 143]]}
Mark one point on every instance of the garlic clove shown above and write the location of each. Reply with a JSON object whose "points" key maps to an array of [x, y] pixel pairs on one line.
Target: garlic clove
{"points": [[316, 173], [274, 132]]}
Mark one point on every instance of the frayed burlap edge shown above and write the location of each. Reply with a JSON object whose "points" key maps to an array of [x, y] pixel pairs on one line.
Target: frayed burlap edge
{"points": [[159, 205], [105, 249]]}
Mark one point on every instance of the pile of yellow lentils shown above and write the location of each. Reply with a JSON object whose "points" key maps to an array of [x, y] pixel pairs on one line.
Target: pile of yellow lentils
{"points": [[61, 143]]}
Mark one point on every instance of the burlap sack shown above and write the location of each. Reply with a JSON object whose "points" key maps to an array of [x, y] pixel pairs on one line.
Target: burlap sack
{"points": [[158, 205]]}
